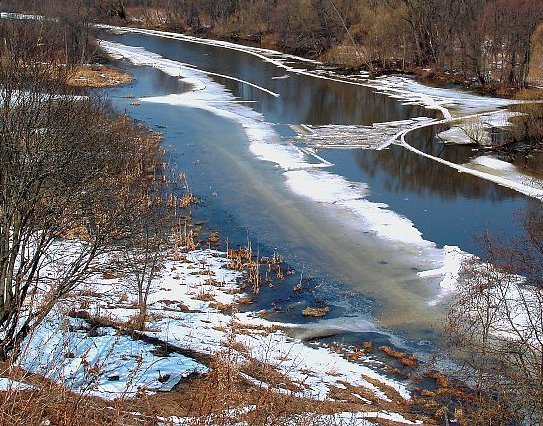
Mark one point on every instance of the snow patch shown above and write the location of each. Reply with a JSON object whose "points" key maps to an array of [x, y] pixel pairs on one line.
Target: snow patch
{"points": [[102, 362], [194, 323], [10, 385], [494, 163]]}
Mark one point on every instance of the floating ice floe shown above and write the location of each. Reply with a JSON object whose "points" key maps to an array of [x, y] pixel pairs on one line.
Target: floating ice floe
{"points": [[376, 136]]}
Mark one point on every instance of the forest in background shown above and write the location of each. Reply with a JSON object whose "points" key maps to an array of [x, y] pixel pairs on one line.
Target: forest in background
{"points": [[484, 43]]}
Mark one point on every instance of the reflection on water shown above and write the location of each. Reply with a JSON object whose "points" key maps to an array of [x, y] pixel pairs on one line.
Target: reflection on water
{"points": [[243, 195], [408, 171], [303, 99]]}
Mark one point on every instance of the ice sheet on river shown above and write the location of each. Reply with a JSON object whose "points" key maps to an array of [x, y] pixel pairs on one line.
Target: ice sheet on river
{"points": [[300, 166], [375, 136], [449, 101]]}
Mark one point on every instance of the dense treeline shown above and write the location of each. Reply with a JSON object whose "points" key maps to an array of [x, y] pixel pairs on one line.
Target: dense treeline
{"points": [[484, 42]]}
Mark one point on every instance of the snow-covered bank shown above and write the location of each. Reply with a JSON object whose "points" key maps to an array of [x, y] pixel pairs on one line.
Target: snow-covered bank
{"points": [[205, 329], [450, 102], [192, 307], [100, 361], [9, 385], [340, 419], [475, 129]]}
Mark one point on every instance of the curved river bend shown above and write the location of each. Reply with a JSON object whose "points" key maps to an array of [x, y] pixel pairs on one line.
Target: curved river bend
{"points": [[360, 223]]}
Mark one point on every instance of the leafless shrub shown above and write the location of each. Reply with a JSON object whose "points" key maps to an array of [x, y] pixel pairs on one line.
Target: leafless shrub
{"points": [[495, 329], [68, 169]]}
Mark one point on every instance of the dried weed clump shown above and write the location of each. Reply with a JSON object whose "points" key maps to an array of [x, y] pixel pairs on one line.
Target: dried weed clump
{"points": [[44, 402], [315, 312], [96, 76]]}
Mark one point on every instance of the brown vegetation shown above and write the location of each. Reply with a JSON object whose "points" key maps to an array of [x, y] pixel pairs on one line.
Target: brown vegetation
{"points": [[97, 76], [315, 312], [488, 44], [71, 170], [495, 329]]}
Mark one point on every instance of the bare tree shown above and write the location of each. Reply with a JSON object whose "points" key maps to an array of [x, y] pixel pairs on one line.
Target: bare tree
{"points": [[495, 328], [147, 246], [67, 165]]}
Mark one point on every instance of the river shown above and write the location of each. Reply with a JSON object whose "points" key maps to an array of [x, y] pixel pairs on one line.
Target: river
{"points": [[360, 223]]}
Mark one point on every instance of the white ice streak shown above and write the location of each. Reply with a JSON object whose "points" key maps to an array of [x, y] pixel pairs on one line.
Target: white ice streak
{"points": [[529, 187], [348, 197], [524, 187], [141, 56], [454, 258]]}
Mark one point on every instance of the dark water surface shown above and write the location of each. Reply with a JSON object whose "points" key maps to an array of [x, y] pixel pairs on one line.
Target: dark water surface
{"points": [[352, 271]]}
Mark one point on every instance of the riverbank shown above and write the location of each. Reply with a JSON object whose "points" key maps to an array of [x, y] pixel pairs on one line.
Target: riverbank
{"points": [[208, 96], [200, 359], [345, 55]]}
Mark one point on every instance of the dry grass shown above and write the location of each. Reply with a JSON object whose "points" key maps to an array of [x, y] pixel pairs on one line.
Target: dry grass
{"points": [[408, 361], [220, 397], [49, 403], [97, 76], [530, 93], [345, 55]]}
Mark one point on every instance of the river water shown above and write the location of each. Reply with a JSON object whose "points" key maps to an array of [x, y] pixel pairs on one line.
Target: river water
{"points": [[360, 256]]}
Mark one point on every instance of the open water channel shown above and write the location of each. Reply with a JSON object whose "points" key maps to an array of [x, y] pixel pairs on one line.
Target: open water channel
{"points": [[360, 223]]}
